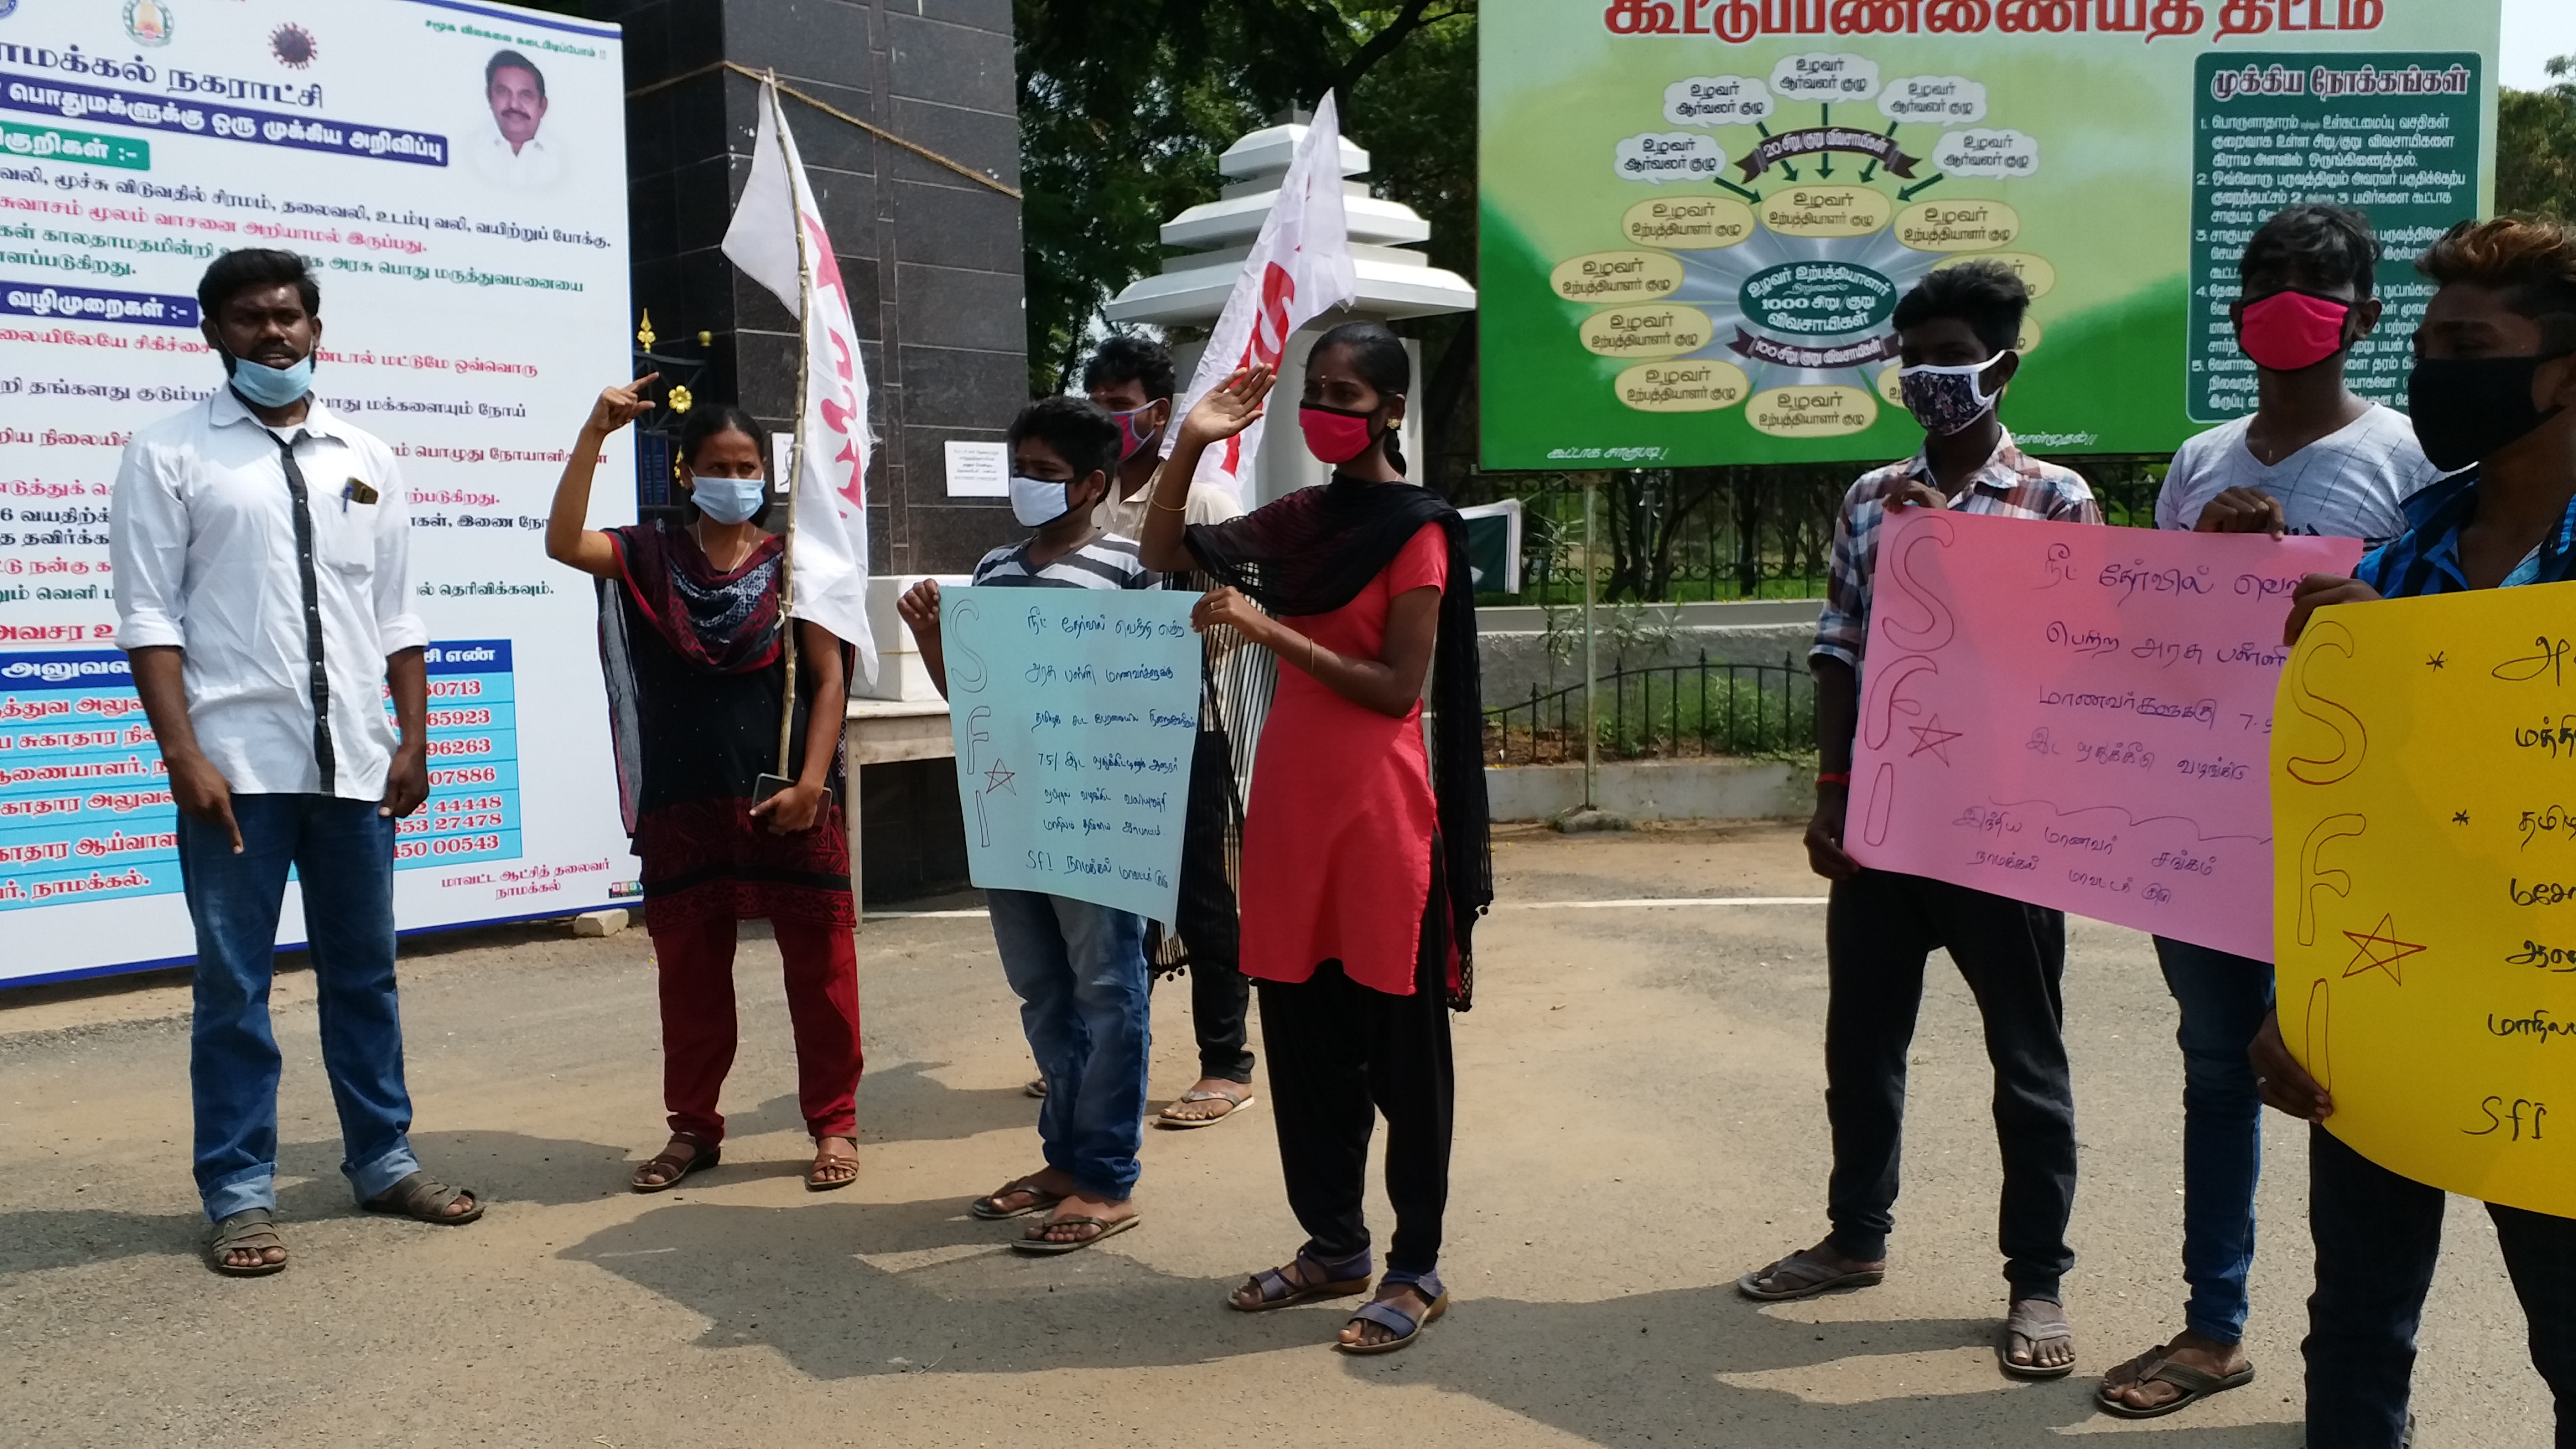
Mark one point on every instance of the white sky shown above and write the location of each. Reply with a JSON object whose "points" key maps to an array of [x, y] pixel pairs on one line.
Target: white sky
{"points": [[2535, 30]]}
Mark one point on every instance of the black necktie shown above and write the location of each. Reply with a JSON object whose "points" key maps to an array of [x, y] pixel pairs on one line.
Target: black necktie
{"points": [[320, 674]]}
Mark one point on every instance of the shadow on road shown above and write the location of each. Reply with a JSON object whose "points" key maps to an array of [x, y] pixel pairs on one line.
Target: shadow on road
{"points": [[851, 1289]]}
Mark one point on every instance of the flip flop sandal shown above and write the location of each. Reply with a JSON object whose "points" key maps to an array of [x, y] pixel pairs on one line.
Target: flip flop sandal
{"points": [[705, 1155], [1806, 1279], [423, 1200], [1386, 1315], [2196, 1385], [1236, 1102], [1036, 1088], [253, 1229], [815, 1182], [2034, 1330], [1324, 1280], [1109, 1228], [988, 1207]]}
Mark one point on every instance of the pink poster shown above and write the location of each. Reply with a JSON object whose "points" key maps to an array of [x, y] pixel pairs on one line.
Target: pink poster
{"points": [[2079, 716]]}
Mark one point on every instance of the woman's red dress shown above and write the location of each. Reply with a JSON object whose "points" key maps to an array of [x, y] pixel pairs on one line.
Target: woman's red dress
{"points": [[1337, 837]]}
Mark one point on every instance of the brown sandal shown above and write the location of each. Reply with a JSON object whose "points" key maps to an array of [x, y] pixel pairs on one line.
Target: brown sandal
{"points": [[702, 1155], [424, 1200], [252, 1230], [815, 1181]]}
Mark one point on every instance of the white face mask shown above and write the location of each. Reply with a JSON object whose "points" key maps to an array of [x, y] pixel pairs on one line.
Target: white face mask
{"points": [[1036, 502]]}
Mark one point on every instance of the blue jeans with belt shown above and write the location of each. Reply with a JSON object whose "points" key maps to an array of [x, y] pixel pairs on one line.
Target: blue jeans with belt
{"points": [[2224, 999], [1079, 971], [342, 852]]}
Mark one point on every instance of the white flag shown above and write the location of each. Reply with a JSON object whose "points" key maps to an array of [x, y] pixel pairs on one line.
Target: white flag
{"points": [[777, 238], [1300, 266]]}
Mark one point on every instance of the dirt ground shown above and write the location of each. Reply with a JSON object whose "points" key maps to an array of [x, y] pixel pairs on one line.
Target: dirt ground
{"points": [[1640, 1121]]}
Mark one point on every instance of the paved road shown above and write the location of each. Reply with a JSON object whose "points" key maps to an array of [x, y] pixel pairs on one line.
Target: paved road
{"points": [[1640, 1121]]}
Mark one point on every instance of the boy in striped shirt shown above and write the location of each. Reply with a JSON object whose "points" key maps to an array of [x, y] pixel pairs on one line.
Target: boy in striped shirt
{"points": [[1078, 968]]}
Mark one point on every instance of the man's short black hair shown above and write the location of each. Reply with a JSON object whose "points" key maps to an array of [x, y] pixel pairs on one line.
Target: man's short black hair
{"points": [[1988, 295], [1124, 358], [255, 267], [2321, 243], [1076, 428], [512, 60]]}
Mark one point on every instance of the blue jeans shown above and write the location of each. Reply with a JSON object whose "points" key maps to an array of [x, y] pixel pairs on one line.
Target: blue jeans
{"points": [[343, 853], [1079, 971], [2223, 1000]]}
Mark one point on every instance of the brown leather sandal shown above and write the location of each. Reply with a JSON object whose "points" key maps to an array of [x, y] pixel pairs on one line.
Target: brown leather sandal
{"points": [[252, 1230], [702, 1155], [815, 1181], [425, 1200]]}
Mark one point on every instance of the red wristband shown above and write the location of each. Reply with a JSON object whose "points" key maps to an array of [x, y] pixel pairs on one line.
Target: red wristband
{"points": [[1834, 778]]}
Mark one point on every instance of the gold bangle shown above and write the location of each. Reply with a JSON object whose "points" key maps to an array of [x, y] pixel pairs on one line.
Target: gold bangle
{"points": [[1310, 657], [1154, 493]]}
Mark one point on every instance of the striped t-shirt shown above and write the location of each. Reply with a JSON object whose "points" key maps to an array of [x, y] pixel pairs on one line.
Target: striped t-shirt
{"points": [[1107, 562]]}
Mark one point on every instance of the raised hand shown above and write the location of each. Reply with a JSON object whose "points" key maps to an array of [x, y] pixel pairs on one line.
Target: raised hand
{"points": [[618, 406], [1229, 407]]}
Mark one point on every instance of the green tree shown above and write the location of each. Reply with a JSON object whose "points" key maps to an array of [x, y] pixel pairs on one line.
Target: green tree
{"points": [[2536, 148], [1123, 111]]}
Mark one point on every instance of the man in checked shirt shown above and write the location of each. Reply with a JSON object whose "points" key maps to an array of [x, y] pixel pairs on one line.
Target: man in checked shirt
{"points": [[1956, 332]]}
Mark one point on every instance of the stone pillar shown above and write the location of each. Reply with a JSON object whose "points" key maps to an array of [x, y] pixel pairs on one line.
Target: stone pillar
{"points": [[932, 258]]}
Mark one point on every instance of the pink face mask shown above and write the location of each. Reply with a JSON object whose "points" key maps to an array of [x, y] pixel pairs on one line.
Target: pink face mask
{"points": [[1335, 436], [2289, 330]]}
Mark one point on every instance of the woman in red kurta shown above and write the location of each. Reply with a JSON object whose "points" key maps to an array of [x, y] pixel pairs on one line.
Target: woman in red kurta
{"points": [[1365, 856]]}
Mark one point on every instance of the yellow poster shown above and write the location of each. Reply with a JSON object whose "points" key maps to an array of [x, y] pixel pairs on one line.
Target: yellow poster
{"points": [[2424, 884]]}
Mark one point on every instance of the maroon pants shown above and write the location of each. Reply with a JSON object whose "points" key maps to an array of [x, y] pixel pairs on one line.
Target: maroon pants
{"points": [[698, 1032]]}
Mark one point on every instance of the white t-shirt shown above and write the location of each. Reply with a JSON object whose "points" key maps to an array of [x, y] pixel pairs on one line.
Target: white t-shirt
{"points": [[2348, 484]]}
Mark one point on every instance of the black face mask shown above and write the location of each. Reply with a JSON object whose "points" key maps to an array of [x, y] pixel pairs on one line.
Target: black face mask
{"points": [[2467, 409]]}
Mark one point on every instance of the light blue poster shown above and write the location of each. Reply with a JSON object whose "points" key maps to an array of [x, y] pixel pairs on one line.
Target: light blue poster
{"points": [[1075, 711]]}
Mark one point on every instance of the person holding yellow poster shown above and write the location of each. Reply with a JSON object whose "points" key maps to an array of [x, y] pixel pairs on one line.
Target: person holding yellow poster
{"points": [[2495, 387]]}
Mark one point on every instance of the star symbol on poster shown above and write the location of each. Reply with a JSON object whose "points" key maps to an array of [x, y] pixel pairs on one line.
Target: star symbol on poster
{"points": [[2380, 950], [2436, 660], [999, 778], [2459, 817], [1930, 736]]}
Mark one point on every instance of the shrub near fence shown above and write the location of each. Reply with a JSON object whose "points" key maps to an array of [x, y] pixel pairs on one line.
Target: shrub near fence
{"points": [[1670, 711]]}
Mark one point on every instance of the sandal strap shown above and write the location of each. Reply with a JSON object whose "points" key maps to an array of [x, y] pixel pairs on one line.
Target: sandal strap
{"points": [[1271, 1285], [1357, 1265], [1386, 1315], [249, 1228]]}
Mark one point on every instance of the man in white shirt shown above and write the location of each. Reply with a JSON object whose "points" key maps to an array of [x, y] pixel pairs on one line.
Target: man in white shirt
{"points": [[262, 549], [1132, 378], [511, 154]]}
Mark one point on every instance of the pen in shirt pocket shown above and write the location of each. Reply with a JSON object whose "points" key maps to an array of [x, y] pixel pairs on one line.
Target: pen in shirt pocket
{"points": [[356, 490]]}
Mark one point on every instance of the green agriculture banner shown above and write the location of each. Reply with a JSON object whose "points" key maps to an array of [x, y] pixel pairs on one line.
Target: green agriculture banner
{"points": [[1698, 214]]}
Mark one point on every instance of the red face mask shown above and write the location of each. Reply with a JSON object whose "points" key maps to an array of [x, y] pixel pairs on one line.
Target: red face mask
{"points": [[2289, 330], [1333, 435]]}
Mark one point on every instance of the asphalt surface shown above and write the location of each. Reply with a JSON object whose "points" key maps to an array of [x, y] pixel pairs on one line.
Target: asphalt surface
{"points": [[1640, 1121]]}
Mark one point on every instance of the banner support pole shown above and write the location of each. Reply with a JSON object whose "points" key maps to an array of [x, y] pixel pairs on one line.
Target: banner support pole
{"points": [[796, 449]]}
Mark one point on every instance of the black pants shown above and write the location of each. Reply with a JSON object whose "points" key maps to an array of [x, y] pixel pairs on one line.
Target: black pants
{"points": [[1220, 996], [1337, 1049], [1879, 930], [2377, 1235]]}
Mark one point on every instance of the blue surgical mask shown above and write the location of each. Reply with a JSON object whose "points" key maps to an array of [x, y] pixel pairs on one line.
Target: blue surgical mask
{"points": [[1036, 502], [729, 500], [271, 387]]}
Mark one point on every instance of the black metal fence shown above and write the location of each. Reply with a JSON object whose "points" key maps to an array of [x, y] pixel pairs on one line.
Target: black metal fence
{"points": [[1677, 535], [1668, 711]]}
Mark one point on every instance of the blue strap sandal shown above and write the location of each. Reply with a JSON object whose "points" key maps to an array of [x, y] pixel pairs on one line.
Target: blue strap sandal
{"points": [[1322, 1280], [1387, 1316]]}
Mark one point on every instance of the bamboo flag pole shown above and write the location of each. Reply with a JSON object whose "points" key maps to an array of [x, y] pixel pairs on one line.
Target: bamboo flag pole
{"points": [[796, 450]]}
